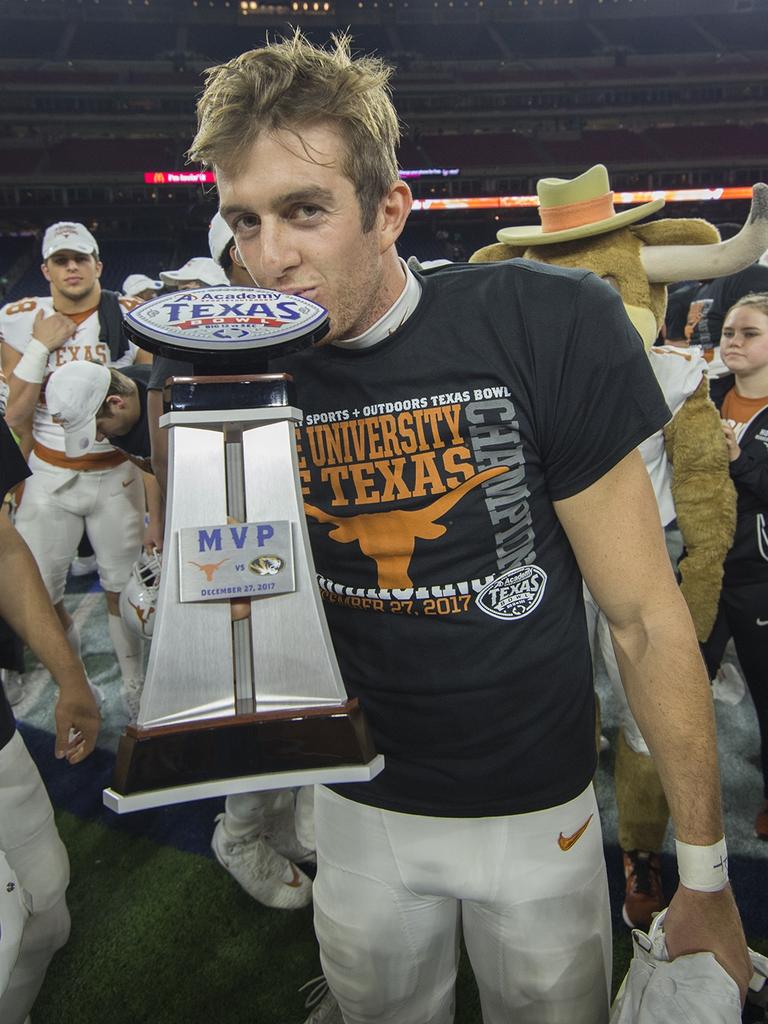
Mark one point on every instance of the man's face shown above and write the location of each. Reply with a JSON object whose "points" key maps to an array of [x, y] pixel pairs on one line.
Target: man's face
{"points": [[119, 419], [73, 275], [297, 224]]}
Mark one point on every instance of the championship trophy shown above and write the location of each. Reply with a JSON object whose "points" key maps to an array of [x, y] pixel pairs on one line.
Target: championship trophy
{"points": [[242, 689]]}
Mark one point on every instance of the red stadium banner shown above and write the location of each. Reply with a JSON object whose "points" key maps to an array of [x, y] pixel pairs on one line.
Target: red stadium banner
{"points": [[209, 178], [179, 178], [679, 195]]}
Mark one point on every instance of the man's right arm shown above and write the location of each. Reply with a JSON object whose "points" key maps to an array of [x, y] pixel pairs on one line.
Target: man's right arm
{"points": [[158, 438], [153, 533], [47, 333], [26, 607], [21, 426]]}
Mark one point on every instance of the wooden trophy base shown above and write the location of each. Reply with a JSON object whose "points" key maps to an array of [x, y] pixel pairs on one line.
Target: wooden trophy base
{"points": [[241, 753]]}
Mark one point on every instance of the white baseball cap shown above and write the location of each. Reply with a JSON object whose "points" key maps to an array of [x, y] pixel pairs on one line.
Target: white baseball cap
{"points": [[199, 268], [219, 237], [67, 235], [73, 395], [136, 283]]}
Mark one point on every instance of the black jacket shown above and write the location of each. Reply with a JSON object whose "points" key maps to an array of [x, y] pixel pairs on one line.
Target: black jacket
{"points": [[747, 561]]}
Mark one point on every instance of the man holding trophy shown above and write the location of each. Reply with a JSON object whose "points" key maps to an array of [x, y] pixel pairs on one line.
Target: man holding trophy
{"points": [[467, 452]]}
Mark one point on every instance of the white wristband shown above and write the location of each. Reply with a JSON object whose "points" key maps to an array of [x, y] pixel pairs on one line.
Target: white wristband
{"points": [[703, 868], [32, 365]]}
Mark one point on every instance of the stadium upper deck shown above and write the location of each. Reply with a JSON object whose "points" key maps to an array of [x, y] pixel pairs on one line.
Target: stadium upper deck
{"points": [[95, 92]]}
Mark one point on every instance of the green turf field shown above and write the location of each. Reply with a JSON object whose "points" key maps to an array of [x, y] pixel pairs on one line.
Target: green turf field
{"points": [[164, 936]]}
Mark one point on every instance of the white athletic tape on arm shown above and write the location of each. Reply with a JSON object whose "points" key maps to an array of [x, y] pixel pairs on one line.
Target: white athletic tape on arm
{"points": [[31, 367], [703, 868]]}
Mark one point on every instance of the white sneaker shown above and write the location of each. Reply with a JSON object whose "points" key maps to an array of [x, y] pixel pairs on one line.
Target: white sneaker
{"points": [[84, 566], [325, 1009], [13, 684], [264, 874]]}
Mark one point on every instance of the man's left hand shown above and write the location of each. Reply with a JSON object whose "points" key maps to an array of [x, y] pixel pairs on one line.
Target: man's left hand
{"points": [[701, 922], [77, 724]]}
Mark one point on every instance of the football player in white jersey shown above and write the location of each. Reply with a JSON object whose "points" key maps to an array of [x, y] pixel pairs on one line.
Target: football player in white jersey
{"points": [[141, 287], [99, 490]]}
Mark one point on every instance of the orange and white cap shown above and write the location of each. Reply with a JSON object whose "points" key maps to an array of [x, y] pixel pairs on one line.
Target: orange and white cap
{"points": [[69, 236]]}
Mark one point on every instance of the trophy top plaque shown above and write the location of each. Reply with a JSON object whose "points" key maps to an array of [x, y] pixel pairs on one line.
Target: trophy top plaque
{"points": [[226, 325]]}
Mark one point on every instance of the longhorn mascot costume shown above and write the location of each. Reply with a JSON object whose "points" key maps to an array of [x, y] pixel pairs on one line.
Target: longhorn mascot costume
{"points": [[688, 463]]}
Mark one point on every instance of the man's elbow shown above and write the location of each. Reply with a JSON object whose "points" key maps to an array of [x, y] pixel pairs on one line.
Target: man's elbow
{"points": [[667, 620]]}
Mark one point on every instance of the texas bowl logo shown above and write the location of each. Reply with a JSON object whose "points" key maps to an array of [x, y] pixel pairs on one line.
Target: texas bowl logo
{"points": [[227, 318], [514, 594]]}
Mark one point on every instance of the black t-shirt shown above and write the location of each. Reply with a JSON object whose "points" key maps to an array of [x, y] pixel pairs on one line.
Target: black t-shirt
{"points": [[136, 441], [13, 469], [429, 464], [713, 300]]}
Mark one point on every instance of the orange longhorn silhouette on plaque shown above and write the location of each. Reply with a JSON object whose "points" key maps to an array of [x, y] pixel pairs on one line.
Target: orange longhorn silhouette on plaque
{"points": [[389, 538], [210, 568]]}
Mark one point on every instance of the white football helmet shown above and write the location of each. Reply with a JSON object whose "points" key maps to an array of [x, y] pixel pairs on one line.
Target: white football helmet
{"points": [[138, 598]]}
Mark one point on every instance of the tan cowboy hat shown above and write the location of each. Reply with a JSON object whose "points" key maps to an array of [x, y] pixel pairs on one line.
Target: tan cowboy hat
{"points": [[574, 209]]}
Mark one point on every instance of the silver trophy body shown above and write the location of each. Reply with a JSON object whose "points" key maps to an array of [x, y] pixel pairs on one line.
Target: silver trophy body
{"points": [[243, 691]]}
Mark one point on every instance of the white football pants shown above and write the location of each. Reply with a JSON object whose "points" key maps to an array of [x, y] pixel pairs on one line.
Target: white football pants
{"points": [[58, 503], [394, 892], [31, 843]]}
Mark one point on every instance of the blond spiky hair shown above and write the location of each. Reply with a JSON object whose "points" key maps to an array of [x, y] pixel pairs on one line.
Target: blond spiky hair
{"points": [[758, 301], [290, 84]]}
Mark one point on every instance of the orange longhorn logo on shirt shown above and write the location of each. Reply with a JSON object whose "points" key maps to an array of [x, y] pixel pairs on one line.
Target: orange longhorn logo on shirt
{"points": [[389, 538]]}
